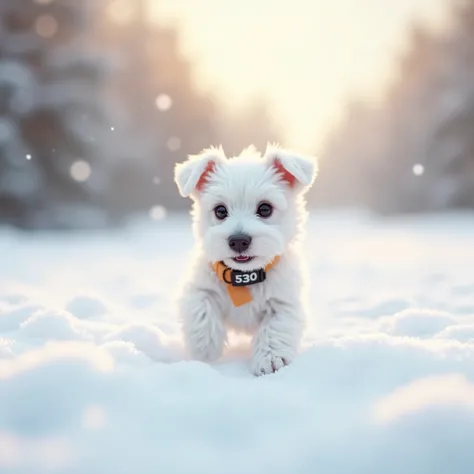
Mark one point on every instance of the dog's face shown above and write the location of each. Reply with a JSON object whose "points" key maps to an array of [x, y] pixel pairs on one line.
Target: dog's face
{"points": [[246, 209]]}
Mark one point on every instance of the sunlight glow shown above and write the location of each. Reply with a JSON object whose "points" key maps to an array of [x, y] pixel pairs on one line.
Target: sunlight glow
{"points": [[452, 390], [307, 57]]}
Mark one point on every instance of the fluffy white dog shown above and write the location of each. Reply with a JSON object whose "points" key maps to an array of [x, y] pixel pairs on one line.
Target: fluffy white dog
{"points": [[247, 274]]}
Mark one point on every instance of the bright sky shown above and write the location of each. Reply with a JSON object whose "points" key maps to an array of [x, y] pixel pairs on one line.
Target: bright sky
{"points": [[306, 56]]}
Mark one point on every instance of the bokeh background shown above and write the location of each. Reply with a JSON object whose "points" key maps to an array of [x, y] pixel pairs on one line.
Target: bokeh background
{"points": [[100, 98]]}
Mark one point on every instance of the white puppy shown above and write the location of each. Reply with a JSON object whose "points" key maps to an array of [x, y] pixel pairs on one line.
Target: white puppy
{"points": [[247, 274]]}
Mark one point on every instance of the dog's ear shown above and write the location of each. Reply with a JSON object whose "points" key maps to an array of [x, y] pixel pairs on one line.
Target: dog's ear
{"points": [[191, 175], [299, 172]]}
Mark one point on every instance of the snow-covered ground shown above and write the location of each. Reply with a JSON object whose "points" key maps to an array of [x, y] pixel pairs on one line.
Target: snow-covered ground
{"points": [[92, 376]]}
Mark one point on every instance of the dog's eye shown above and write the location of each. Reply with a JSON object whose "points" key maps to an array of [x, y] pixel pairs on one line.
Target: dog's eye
{"points": [[221, 212], [264, 210]]}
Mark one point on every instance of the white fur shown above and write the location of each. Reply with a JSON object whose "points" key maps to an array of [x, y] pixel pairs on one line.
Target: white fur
{"points": [[276, 315]]}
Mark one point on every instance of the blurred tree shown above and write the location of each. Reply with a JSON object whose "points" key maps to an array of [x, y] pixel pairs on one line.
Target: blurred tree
{"points": [[450, 156], [157, 85], [86, 138], [415, 150], [170, 113], [409, 109], [348, 169], [59, 137]]}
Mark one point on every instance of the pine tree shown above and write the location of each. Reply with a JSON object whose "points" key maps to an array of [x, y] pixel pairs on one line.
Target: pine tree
{"points": [[171, 114], [59, 146], [349, 158], [450, 158], [424, 154], [410, 107], [157, 84]]}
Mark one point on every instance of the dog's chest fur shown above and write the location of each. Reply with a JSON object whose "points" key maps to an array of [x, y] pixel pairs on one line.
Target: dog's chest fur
{"points": [[248, 316], [283, 282]]}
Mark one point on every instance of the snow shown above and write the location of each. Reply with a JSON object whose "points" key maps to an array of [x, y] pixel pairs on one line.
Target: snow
{"points": [[93, 377], [86, 306], [418, 322]]}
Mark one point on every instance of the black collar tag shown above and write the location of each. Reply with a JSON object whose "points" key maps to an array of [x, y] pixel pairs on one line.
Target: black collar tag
{"points": [[239, 278]]}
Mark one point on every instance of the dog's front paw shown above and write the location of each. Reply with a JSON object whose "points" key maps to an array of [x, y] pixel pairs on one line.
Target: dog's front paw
{"points": [[205, 346], [204, 333], [268, 363]]}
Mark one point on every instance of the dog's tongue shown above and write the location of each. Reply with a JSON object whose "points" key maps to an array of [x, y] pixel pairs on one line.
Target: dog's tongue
{"points": [[242, 258]]}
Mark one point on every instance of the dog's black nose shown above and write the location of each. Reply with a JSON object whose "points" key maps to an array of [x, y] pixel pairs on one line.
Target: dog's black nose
{"points": [[239, 242]]}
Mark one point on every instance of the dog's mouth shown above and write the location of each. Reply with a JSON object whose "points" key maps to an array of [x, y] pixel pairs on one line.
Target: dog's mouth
{"points": [[242, 258]]}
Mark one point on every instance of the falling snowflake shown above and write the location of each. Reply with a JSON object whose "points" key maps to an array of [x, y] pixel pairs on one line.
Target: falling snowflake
{"points": [[80, 171], [112, 128], [173, 143], [157, 213], [418, 169], [164, 102], [28, 157], [46, 26]]}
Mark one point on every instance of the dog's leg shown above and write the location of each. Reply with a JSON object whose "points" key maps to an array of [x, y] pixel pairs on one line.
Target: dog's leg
{"points": [[203, 329], [276, 342]]}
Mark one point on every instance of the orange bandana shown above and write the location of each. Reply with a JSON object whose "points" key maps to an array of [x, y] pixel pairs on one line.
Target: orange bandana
{"points": [[239, 295]]}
